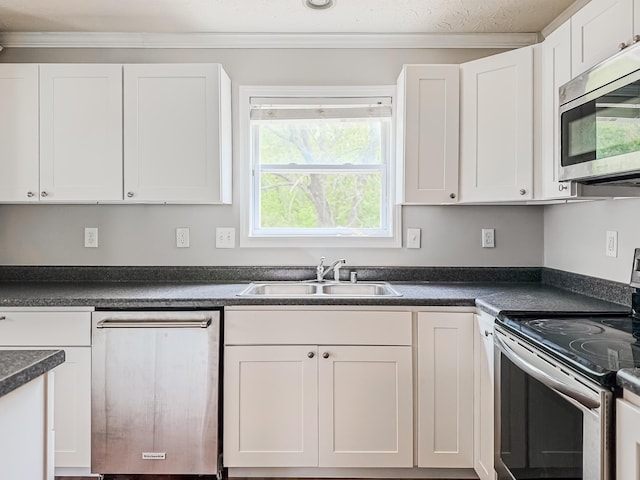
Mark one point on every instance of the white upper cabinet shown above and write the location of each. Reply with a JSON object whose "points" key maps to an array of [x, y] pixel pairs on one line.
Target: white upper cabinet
{"points": [[496, 147], [556, 71], [80, 132], [428, 124], [19, 133], [598, 29], [177, 133]]}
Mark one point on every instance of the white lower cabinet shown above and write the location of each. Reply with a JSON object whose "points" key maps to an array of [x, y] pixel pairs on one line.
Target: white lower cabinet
{"points": [[628, 437], [341, 400], [68, 330], [483, 447], [26, 431], [445, 389]]}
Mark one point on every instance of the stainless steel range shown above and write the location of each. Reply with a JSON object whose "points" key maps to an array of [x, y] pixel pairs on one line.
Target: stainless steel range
{"points": [[555, 385]]}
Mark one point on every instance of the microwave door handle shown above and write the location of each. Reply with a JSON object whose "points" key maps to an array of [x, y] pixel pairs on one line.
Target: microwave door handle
{"points": [[544, 378]]}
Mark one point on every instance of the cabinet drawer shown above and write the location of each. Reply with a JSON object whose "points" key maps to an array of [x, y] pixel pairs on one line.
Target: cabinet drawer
{"points": [[43, 329], [317, 327]]}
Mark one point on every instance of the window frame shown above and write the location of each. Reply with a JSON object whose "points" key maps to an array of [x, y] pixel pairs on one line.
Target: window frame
{"points": [[249, 201]]}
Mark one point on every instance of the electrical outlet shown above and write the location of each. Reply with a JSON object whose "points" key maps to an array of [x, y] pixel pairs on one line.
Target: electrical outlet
{"points": [[91, 237], [612, 244], [225, 237], [182, 237], [413, 238], [488, 238]]}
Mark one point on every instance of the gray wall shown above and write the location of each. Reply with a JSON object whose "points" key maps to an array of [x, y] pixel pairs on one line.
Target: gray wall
{"points": [[575, 237], [144, 234]]}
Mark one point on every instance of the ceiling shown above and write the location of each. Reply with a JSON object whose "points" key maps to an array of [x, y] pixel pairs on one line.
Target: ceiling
{"points": [[279, 16]]}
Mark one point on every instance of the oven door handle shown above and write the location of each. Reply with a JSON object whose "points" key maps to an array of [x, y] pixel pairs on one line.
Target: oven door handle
{"points": [[544, 378]]}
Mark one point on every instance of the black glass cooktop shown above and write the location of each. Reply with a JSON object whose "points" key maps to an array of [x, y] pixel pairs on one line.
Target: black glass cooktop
{"points": [[596, 345]]}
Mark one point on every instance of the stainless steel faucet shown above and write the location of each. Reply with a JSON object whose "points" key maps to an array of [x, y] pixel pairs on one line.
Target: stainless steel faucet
{"points": [[322, 272]]}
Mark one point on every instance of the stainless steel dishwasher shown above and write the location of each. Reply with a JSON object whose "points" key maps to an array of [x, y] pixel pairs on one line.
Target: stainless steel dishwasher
{"points": [[155, 377]]}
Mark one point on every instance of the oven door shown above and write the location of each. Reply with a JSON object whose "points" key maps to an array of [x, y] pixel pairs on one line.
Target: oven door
{"points": [[550, 422]]}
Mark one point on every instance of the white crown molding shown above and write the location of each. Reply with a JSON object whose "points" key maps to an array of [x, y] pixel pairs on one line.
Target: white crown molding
{"points": [[563, 17], [260, 40]]}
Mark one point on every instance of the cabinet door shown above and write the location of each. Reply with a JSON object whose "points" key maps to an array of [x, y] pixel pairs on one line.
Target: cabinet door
{"points": [[80, 133], [270, 406], [19, 133], [428, 113], [365, 406], [72, 409], [596, 31], [556, 71], [445, 389], [177, 133], [496, 158], [483, 446], [627, 440], [24, 453]]}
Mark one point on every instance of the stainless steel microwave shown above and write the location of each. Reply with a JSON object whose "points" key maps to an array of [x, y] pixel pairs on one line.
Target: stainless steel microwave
{"points": [[600, 123]]}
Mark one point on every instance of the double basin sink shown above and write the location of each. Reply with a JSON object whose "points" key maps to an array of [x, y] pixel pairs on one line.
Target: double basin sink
{"points": [[319, 289]]}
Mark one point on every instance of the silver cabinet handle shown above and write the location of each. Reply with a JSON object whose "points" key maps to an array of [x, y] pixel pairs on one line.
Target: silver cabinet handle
{"points": [[117, 323], [30, 194], [130, 194], [3, 317], [452, 195], [622, 46], [325, 355], [636, 38], [487, 333], [43, 194], [544, 378], [523, 191], [311, 354]]}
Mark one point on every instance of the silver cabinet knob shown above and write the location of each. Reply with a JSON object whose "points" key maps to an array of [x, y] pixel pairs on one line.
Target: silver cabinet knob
{"points": [[636, 38], [30, 194], [325, 355], [3, 317], [562, 187], [130, 194], [311, 354], [487, 333], [43, 194], [452, 195], [523, 191], [622, 46]]}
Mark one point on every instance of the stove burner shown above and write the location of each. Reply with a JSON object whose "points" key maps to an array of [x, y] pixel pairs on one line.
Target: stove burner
{"points": [[564, 327], [615, 353]]}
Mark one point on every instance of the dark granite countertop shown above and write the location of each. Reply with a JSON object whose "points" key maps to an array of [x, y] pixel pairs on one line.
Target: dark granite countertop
{"points": [[492, 297], [629, 379], [18, 367]]}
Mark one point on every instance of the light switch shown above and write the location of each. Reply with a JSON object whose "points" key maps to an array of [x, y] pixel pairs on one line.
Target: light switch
{"points": [[413, 238], [225, 237]]}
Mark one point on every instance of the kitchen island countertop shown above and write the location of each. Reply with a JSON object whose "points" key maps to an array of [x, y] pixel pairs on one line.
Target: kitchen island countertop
{"points": [[18, 367]]}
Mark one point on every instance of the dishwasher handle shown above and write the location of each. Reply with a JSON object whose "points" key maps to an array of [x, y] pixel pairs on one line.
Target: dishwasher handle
{"points": [[154, 323]]}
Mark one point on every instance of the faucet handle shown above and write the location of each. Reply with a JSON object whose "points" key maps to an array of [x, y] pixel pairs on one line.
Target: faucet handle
{"points": [[321, 262]]}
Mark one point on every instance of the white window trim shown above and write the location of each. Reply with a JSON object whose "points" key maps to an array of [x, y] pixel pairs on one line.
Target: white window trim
{"points": [[245, 93]]}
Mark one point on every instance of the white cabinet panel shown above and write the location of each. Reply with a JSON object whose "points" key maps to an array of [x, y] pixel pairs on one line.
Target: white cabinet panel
{"points": [[496, 158], [270, 405], [627, 440], [80, 132], [177, 133], [19, 133], [72, 411], [428, 125], [24, 451], [556, 71], [483, 445], [597, 29], [365, 406], [445, 389]]}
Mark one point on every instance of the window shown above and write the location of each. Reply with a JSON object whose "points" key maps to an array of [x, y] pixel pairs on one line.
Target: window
{"points": [[319, 166]]}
